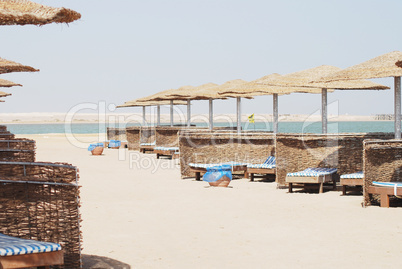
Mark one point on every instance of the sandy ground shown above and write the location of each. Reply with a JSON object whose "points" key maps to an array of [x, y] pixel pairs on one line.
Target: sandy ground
{"points": [[138, 213]]}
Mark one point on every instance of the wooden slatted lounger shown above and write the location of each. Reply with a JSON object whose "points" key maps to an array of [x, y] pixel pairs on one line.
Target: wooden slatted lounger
{"points": [[385, 189], [267, 168], [198, 168], [312, 176], [22, 253], [355, 179], [147, 147], [172, 152]]}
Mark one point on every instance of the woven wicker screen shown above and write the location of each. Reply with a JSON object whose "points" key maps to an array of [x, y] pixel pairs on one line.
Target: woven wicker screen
{"points": [[133, 137], [382, 162], [218, 146], [40, 201], [116, 134], [296, 152], [147, 135], [26, 144], [167, 136]]}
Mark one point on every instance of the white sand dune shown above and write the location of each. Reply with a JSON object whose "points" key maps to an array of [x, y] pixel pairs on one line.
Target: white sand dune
{"points": [[147, 217]]}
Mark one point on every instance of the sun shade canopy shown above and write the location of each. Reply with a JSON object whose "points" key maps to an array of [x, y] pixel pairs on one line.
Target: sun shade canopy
{"points": [[22, 12], [7, 66]]}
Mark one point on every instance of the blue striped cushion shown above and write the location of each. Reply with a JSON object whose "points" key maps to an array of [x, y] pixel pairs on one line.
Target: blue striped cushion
{"points": [[313, 172], [148, 144], [167, 148], [10, 246], [207, 165], [354, 175], [269, 163], [388, 184]]}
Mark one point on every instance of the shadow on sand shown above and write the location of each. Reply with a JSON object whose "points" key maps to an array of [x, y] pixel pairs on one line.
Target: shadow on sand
{"points": [[98, 262]]}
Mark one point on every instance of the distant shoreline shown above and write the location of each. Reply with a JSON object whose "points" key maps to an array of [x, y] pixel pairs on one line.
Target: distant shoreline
{"points": [[123, 118]]}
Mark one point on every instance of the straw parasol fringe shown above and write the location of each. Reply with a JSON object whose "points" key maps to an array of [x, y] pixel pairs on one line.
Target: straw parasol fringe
{"points": [[7, 83], [22, 12], [4, 94], [135, 102], [7, 66], [386, 65]]}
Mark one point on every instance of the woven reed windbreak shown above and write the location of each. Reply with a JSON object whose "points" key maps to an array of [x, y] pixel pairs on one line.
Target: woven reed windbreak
{"points": [[383, 163], [167, 136], [147, 135], [296, 152], [116, 134], [23, 143], [45, 208], [6, 135], [133, 137], [3, 128], [200, 146], [17, 155]]}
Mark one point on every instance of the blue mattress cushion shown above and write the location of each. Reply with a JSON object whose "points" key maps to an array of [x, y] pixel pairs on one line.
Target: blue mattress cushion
{"points": [[354, 175], [269, 163], [313, 172], [10, 246]]}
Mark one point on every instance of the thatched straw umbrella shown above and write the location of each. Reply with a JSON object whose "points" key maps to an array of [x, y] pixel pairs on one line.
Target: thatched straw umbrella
{"points": [[256, 88], [22, 12], [143, 104], [7, 83], [305, 79], [4, 94], [7, 66], [386, 65]]}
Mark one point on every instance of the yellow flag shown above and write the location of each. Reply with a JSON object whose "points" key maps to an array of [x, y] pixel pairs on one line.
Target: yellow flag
{"points": [[251, 118]]}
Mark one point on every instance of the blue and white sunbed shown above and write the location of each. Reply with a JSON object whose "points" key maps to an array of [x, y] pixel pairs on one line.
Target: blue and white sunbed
{"points": [[22, 253], [166, 151], [385, 189], [312, 175], [268, 167], [199, 168], [354, 179], [147, 146]]}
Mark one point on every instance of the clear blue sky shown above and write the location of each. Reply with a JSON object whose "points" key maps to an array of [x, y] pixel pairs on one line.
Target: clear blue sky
{"points": [[122, 50]]}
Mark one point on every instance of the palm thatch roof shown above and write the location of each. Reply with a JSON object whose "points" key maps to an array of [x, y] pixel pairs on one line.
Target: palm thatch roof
{"points": [[7, 83], [308, 79], [386, 65], [4, 94], [7, 66], [213, 92], [22, 12], [136, 102]]}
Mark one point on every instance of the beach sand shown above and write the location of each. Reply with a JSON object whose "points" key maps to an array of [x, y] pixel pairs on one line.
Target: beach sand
{"points": [[138, 213]]}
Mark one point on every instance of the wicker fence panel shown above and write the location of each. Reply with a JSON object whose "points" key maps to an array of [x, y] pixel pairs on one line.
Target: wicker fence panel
{"points": [[296, 152], [147, 135], [17, 155], [167, 136], [133, 138], [116, 134], [216, 147], [3, 128], [382, 162], [45, 210], [6, 136], [26, 144]]}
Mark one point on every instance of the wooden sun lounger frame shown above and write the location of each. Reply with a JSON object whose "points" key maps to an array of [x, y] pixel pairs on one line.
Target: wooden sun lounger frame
{"points": [[346, 182], [384, 193], [39, 260], [144, 148], [169, 153], [264, 171], [199, 170], [311, 180]]}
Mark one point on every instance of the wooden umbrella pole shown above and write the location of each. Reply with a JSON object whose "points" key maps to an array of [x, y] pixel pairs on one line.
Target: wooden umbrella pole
{"points": [[238, 115], [324, 111], [211, 113], [143, 115], [397, 82], [188, 113], [171, 113], [275, 107], [158, 112]]}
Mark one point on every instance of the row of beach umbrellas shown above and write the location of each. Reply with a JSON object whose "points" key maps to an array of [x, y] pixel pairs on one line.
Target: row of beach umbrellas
{"points": [[23, 12], [318, 80]]}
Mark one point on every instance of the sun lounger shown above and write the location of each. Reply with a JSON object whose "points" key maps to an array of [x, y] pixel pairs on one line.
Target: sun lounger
{"points": [[147, 147], [355, 179], [313, 176], [385, 189], [266, 168], [172, 152], [199, 168], [22, 253]]}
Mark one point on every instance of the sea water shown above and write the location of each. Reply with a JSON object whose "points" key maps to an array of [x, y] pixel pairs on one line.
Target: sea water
{"points": [[284, 127]]}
